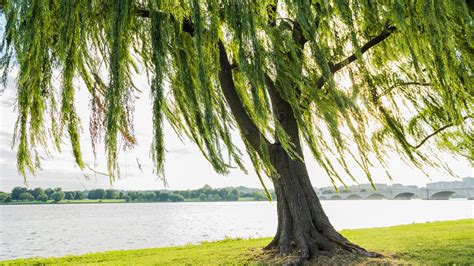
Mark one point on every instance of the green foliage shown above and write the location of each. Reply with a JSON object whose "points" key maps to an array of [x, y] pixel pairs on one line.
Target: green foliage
{"points": [[70, 195], [111, 194], [48, 192], [79, 195], [26, 197], [17, 191], [37, 191], [127, 198], [159, 31], [3, 196], [202, 197], [97, 194], [118, 28], [42, 198], [363, 78], [57, 196]]}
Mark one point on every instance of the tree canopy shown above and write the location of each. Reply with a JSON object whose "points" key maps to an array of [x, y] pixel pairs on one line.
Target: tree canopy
{"points": [[363, 78]]}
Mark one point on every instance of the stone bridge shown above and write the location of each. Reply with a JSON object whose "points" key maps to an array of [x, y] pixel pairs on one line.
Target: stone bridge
{"points": [[373, 195], [433, 191]]}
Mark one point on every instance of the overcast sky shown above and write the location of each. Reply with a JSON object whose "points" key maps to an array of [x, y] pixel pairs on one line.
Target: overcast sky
{"points": [[185, 167]]}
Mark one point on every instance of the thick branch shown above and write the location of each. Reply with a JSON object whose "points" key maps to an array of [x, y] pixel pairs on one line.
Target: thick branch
{"points": [[248, 128], [373, 42]]}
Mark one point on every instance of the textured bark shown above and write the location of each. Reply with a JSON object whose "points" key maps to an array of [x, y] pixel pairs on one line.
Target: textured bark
{"points": [[303, 226]]}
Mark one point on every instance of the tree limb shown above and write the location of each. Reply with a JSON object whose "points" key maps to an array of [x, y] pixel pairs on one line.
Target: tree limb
{"points": [[412, 83], [373, 42], [437, 131]]}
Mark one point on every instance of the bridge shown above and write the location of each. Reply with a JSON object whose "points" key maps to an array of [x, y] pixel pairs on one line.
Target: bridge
{"points": [[433, 191]]}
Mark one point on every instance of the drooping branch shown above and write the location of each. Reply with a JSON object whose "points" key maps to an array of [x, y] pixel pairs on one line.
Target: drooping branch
{"points": [[371, 43], [247, 126]]}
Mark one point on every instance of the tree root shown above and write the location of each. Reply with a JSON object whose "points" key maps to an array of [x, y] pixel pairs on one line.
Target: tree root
{"points": [[320, 248]]}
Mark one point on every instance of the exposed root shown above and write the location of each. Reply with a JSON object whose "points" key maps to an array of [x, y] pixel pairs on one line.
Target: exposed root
{"points": [[355, 249], [320, 249], [304, 231]]}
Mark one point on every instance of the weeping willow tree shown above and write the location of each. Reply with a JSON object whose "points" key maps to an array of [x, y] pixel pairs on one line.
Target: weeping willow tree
{"points": [[355, 81]]}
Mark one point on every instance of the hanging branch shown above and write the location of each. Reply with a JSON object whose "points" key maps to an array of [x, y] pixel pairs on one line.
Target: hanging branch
{"points": [[249, 129]]}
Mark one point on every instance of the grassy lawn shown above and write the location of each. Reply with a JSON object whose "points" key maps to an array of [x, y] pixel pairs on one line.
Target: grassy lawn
{"points": [[450, 242]]}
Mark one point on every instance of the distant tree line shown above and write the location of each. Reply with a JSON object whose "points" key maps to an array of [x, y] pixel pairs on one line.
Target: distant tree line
{"points": [[37, 194], [206, 193]]}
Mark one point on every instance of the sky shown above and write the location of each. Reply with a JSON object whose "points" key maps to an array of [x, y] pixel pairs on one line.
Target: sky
{"points": [[185, 167]]}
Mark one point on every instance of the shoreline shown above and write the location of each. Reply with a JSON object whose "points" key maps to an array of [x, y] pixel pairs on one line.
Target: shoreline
{"points": [[108, 201], [105, 201]]}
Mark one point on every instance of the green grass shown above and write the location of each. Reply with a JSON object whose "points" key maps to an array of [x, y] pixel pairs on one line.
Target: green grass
{"points": [[439, 242], [450, 242]]}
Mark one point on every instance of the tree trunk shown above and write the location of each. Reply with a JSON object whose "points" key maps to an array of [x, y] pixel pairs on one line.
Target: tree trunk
{"points": [[303, 226]]}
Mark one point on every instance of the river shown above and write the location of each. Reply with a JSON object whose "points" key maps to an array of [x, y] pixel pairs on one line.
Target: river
{"points": [[58, 230]]}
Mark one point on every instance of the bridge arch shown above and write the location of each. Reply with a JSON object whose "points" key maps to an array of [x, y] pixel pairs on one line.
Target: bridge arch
{"points": [[442, 195], [460, 194], [322, 198], [335, 197], [376, 196], [354, 197], [404, 195]]}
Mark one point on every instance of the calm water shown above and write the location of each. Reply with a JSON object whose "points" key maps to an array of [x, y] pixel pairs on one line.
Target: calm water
{"points": [[57, 230]]}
